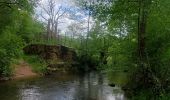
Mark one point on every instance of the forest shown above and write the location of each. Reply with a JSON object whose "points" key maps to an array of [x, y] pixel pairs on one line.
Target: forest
{"points": [[127, 41]]}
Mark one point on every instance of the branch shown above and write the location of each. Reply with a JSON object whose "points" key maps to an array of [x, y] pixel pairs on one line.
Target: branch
{"points": [[57, 12], [43, 17], [8, 4], [45, 10], [61, 14]]}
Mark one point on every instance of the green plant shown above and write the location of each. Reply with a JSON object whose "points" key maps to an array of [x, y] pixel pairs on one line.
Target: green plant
{"points": [[38, 65]]}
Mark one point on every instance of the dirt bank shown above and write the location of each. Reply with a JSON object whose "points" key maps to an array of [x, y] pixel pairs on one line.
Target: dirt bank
{"points": [[23, 70]]}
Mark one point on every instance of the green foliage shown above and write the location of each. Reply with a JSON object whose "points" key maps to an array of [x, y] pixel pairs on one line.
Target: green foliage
{"points": [[17, 27], [30, 28], [38, 65], [164, 97], [10, 48], [121, 19], [11, 43], [148, 95], [4, 63], [121, 54], [144, 95]]}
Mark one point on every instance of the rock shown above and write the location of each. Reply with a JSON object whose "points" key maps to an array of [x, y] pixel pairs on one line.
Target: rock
{"points": [[51, 52], [58, 57]]}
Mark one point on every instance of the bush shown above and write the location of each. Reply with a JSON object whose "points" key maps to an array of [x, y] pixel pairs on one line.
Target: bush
{"points": [[88, 62], [38, 65], [149, 95], [5, 70], [10, 48]]}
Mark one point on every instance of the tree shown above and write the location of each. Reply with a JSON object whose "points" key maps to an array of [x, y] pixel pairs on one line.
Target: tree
{"points": [[17, 28], [137, 23], [75, 30], [52, 13]]}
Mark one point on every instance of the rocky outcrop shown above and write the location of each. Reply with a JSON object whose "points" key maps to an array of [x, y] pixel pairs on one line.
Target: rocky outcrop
{"points": [[51, 52], [58, 57]]}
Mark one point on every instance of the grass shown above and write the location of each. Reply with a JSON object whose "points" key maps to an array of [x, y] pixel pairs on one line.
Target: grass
{"points": [[38, 65]]}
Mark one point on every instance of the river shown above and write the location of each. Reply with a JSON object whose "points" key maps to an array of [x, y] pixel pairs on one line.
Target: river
{"points": [[91, 86]]}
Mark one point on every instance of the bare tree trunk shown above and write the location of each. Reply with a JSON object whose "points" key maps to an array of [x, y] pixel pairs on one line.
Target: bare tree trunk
{"points": [[52, 16], [88, 28], [48, 30], [52, 30], [56, 29]]}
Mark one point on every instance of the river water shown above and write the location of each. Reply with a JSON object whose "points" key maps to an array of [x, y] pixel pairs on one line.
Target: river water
{"points": [[91, 86]]}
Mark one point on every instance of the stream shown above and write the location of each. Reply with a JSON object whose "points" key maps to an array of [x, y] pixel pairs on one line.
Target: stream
{"points": [[91, 86]]}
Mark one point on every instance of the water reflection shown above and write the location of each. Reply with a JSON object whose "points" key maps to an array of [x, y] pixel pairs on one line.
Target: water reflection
{"points": [[92, 86], [29, 93]]}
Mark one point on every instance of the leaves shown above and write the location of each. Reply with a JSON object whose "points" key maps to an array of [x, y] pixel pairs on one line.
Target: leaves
{"points": [[17, 27]]}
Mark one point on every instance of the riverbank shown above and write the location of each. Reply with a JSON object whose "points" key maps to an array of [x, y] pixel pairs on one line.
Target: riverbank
{"points": [[20, 70], [23, 70]]}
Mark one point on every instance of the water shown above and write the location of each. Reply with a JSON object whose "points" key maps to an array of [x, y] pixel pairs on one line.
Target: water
{"points": [[92, 86]]}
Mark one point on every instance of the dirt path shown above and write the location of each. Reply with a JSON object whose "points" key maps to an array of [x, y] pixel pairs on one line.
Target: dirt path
{"points": [[23, 70]]}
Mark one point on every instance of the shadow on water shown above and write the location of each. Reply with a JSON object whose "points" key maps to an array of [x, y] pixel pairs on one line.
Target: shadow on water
{"points": [[92, 86]]}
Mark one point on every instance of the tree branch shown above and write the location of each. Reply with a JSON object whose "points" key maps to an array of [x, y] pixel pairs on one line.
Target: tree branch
{"points": [[62, 14], [59, 9], [8, 4], [43, 16]]}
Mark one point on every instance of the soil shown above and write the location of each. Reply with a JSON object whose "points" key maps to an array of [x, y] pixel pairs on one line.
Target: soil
{"points": [[23, 70]]}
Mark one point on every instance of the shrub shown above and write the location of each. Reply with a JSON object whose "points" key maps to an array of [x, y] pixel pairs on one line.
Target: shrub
{"points": [[38, 65], [10, 48]]}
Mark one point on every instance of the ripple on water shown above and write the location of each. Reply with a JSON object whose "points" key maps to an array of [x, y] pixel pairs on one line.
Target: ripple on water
{"points": [[92, 86]]}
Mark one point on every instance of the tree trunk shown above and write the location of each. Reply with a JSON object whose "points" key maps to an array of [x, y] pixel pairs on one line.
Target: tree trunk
{"points": [[142, 20], [52, 29], [56, 29], [48, 30]]}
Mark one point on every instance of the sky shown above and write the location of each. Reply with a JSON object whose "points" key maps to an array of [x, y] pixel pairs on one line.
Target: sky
{"points": [[74, 14]]}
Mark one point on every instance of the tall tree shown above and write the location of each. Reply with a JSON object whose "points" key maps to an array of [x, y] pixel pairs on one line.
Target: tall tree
{"points": [[52, 13]]}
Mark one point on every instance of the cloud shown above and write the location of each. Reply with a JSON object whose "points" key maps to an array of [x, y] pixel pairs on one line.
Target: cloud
{"points": [[74, 14]]}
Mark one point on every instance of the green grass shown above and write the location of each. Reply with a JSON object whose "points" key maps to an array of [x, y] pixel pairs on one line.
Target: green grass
{"points": [[38, 65]]}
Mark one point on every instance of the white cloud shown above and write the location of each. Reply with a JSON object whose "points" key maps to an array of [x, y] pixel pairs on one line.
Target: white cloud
{"points": [[75, 14]]}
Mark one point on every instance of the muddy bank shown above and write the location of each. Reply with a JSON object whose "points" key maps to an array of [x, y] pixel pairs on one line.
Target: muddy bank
{"points": [[23, 70]]}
